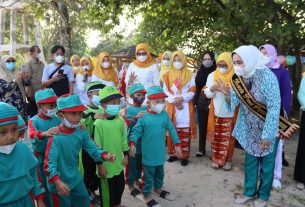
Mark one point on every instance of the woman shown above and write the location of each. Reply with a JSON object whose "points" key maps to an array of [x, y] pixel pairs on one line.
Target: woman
{"points": [[270, 56], [165, 63], [12, 90], [221, 121], [201, 102], [75, 64], [83, 76], [143, 70], [257, 137], [299, 169], [179, 86], [104, 72]]}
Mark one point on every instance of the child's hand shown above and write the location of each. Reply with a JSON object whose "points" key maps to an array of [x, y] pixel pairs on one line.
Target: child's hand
{"points": [[109, 157], [132, 151], [62, 188], [82, 127], [100, 116], [140, 114], [178, 151], [102, 171], [51, 132], [125, 161], [40, 203]]}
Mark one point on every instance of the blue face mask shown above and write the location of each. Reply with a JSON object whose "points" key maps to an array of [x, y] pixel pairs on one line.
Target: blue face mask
{"points": [[10, 66], [96, 100], [113, 110]]}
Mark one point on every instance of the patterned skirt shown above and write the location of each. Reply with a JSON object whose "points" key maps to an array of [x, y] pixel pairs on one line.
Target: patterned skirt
{"points": [[184, 135]]}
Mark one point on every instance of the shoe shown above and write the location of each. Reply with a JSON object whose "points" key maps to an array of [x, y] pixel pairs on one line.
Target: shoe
{"points": [[96, 201], [276, 184], [260, 203], [184, 162], [214, 166], [241, 199], [200, 154], [227, 166], [172, 159], [300, 186], [285, 162]]}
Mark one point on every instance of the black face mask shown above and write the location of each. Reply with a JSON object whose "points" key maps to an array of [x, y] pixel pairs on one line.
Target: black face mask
{"points": [[138, 100]]}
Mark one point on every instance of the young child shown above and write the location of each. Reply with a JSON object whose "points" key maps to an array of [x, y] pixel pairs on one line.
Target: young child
{"points": [[41, 127], [89, 166], [18, 177], [22, 127], [110, 134], [62, 154], [133, 113], [152, 129]]}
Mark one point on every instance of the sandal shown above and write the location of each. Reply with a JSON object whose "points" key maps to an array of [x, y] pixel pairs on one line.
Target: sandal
{"points": [[135, 192], [241, 199], [214, 166], [153, 203], [166, 195]]}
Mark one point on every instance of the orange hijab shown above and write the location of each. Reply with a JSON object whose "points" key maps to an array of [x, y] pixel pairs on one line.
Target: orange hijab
{"points": [[226, 78], [184, 75], [149, 61], [106, 74], [88, 59], [71, 62]]}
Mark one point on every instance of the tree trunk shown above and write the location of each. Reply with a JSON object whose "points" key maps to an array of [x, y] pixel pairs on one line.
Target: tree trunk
{"points": [[13, 41], [2, 25]]}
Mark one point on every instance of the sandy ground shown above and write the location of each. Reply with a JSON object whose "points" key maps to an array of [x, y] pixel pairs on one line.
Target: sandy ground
{"points": [[198, 185]]}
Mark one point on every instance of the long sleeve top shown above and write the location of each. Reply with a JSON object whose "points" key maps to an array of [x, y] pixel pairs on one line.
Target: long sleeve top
{"points": [[301, 94]]}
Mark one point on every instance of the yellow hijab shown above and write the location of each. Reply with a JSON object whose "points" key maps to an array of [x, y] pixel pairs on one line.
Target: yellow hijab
{"points": [[185, 75], [149, 61], [71, 62], [88, 59], [226, 78], [106, 74]]}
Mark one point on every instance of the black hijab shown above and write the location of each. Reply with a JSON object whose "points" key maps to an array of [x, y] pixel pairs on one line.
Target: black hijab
{"points": [[203, 73]]}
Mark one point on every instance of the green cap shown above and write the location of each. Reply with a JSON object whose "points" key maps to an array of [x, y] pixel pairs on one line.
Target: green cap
{"points": [[94, 86], [8, 114], [109, 93], [70, 103], [45, 96], [21, 124], [137, 88], [156, 92]]}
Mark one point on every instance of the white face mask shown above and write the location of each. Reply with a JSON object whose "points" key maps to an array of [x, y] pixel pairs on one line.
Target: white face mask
{"points": [[142, 58], [7, 149], [266, 59], [38, 56], [158, 108], [105, 64], [178, 65], [86, 67], [223, 70], [166, 62], [240, 71], [59, 59], [76, 67], [69, 124], [50, 112]]}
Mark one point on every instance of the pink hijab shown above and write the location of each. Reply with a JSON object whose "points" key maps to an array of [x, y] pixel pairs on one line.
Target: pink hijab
{"points": [[274, 64]]}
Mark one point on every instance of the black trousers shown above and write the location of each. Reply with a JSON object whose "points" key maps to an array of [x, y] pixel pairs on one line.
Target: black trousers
{"points": [[91, 180], [31, 108], [203, 115], [299, 170]]}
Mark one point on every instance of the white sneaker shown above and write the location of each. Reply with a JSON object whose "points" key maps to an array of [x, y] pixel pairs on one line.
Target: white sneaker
{"points": [[300, 186], [260, 203], [227, 166], [276, 184]]}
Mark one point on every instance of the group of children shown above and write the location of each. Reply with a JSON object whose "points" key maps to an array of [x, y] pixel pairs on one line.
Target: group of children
{"points": [[100, 138]]}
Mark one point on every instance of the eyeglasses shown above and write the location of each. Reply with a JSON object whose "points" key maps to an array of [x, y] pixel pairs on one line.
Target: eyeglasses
{"points": [[11, 61], [222, 66], [141, 54]]}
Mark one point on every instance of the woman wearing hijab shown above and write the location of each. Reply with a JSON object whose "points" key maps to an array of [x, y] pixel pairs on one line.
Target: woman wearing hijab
{"points": [[12, 85], [270, 56], [143, 70], [179, 86], [75, 64], [201, 102], [104, 72], [221, 121], [253, 86], [165, 63]]}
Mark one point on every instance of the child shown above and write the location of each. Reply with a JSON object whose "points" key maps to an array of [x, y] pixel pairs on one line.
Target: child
{"points": [[133, 113], [90, 178], [152, 129], [41, 127], [18, 177], [110, 134], [22, 127]]}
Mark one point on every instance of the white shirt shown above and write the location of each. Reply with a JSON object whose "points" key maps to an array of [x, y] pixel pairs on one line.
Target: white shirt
{"points": [[182, 116], [220, 108], [107, 83], [50, 68], [80, 88]]}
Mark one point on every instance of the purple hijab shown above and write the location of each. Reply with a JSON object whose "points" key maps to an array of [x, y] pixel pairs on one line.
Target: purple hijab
{"points": [[274, 64]]}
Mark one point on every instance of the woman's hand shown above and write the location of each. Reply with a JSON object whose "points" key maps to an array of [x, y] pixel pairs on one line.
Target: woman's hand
{"points": [[132, 78]]}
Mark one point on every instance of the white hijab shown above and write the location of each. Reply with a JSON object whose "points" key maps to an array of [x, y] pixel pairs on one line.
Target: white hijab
{"points": [[4, 73], [252, 58]]}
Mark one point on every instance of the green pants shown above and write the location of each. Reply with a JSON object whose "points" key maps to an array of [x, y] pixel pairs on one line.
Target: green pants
{"points": [[153, 177], [43, 178], [134, 169], [78, 197], [266, 166], [26, 201]]}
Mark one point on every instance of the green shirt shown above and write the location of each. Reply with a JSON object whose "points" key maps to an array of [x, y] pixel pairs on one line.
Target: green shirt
{"points": [[88, 118], [110, 135]]}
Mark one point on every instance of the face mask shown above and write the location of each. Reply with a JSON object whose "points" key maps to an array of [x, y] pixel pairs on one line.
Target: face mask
{"points": [[113, 110], [50, 112], [207, 63], [38, 56], [105, 64], [59, 59], [7, 149], [138, 100], [70, 125], [240, 71], [266, 59], [76, 67], [10, 66], [142, 58], [96, 100], [166, 62], [178, 65], [223, 70], [86, 67], [158, 108]]}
